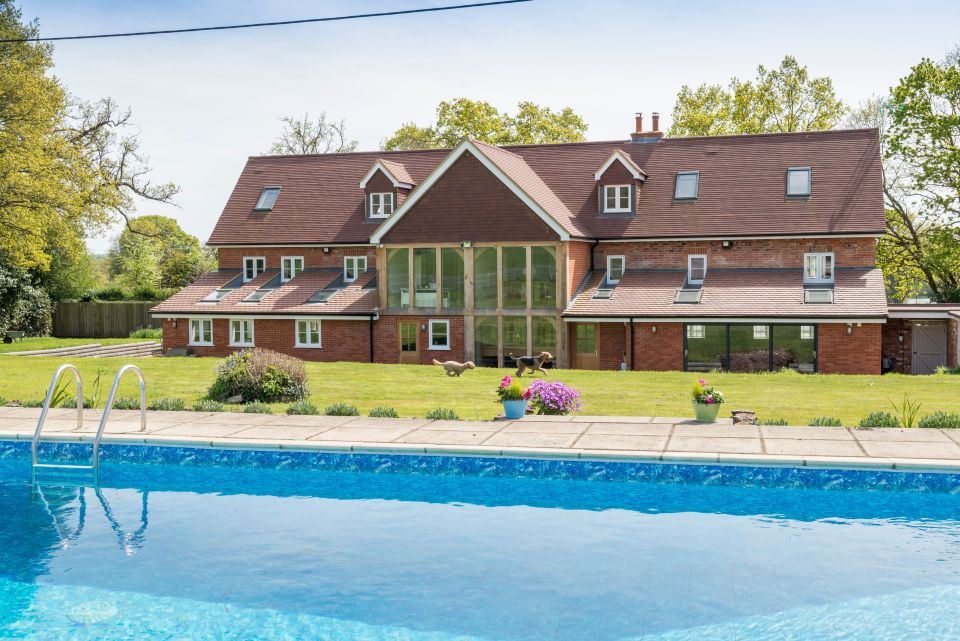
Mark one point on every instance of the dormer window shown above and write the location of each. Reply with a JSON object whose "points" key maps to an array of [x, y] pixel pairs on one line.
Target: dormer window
{"points": [[616, 198], [818, 267], [381, 205], [615, 267], [353, 266], [253, 266], [696, 269], [268, 198], [798, 182], [687, 186], [290, 266]]}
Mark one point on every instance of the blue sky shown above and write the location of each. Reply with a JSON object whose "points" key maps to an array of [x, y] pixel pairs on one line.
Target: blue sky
{"points": [[204, 102]]}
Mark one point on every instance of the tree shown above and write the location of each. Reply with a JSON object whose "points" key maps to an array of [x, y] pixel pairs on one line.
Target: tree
{"points": [[155, 252], [464, 118], [308, 136], [784, 99]]}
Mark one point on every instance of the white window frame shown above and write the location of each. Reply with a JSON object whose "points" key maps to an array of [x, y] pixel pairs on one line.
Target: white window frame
{"points": [[200, 322], [618, 197], [290, 261], [378, 210], [696, 331], [309, 343], [257, 272], [355, 261], [821, 261], [259, 206], [430, 325], [623, 268], [690, 259], [806, 332], [249, 339], [809, 191], [676, 185], [761, 332]]}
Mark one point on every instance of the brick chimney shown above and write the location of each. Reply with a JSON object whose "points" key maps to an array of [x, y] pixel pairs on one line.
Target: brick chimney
{"points": [[647, 136]]}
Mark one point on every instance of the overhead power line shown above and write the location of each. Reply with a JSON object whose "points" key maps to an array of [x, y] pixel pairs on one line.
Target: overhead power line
{"points": [[357, 16]]}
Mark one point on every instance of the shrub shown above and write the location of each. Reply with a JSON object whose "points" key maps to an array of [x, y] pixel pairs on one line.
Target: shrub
{"points": [[33, 312], [147, 332], [554, 398], [302, 408], [826, 421], [112, 292], [126, 403], [771, 421], [383, 412], [341, 409], [880, 419], [207, 405], [3, 401], [70, 402], [166, 404], [442, 414], [33, 402], [942, 420], [948, 370], [257, 407], [260, 375]]}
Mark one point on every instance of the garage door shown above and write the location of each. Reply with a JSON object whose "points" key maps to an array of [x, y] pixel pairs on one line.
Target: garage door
{"points": [[929, 347]]}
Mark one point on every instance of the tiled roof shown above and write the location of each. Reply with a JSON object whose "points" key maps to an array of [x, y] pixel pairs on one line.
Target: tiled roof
{"points": [[358, 297], [733, 292], [398, 170], [742, 188]]}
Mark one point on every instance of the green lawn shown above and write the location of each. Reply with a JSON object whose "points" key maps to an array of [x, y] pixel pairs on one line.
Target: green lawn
{"points": [[413, 390], [49, 342]]}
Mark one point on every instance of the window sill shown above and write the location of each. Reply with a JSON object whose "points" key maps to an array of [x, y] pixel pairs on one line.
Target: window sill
{"points": [[617, 211], [299, 346], [241, 345], [438, 349], [199, 344]]}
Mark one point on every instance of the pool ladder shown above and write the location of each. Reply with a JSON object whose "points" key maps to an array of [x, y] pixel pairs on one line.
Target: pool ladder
{"points": [[95, 460]]}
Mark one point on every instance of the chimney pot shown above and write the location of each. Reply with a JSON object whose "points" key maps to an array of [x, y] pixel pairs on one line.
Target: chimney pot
{"points": [[656, 121], [639, 122]]}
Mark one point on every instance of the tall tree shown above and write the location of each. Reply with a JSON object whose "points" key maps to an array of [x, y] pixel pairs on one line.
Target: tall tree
{"points": [[308, 136], [156, 252], [464, 118], [784, 99]]}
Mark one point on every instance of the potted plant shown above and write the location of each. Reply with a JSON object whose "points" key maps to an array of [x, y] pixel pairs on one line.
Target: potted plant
{"points": [[514, 397], [554, 398], [706, 401]]}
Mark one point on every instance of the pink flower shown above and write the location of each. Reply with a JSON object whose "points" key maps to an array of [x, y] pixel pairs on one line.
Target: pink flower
{"points": [[702, 381], [506, 381], [527, 394], [709, 400]]}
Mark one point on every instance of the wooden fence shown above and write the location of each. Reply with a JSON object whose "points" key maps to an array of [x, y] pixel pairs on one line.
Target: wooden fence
{"points": [[101, 320]]}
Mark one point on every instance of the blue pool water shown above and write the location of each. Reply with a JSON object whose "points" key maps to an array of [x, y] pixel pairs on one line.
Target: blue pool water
{"points": [[205, 545]]}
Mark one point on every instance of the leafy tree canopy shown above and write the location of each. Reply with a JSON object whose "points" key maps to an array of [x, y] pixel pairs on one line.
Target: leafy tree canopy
{"points": [[784, 99], [154, 252], [464, 118]]}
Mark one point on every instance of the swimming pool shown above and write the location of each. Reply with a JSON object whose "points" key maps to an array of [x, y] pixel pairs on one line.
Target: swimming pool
{"points": [[212, 545]]}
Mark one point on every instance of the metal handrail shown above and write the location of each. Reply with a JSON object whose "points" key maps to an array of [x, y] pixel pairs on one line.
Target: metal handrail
{"points": [[106, 410], [46, 405]]}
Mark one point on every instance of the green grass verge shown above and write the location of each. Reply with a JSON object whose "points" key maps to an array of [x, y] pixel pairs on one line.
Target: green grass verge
{"points": [[49, 342], [413, 390]]}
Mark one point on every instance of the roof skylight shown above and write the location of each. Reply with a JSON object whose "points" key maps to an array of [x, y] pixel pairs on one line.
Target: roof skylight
{"points": [[268, 197], [687, 186], [687, 296]]}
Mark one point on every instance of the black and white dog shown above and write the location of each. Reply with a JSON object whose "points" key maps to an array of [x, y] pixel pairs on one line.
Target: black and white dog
{"points": [[533, 363]]}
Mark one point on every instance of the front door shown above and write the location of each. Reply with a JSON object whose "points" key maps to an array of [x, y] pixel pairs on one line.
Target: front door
{"points": [[929, 347], [586, 346], [409, 350]]}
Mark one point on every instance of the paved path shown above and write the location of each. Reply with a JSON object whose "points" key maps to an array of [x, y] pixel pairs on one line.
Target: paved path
{"points": [[588, 437]]}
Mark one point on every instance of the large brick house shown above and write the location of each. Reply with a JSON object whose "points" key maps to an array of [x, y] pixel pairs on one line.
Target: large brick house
{"points": [[746, 253]]}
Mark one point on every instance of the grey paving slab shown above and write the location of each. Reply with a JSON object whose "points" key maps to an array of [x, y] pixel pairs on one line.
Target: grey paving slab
{"points": [[364, 434], [199, 430], [812, 447], [231, 418], [733, 445], [526, 426], [953, 434], [318, 421], [622, 442], [630, 429], [466, 426], [123, 427], [442, 437], [611, 419], [714, 430], [686, 420], [281, 432], [389, 423], [530, 439], [806, 433], [911, 449], [10, 422], [889, 434], [551, 419]]}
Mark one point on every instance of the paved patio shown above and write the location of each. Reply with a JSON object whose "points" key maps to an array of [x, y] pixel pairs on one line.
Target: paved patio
{"points": [[590, 437]]}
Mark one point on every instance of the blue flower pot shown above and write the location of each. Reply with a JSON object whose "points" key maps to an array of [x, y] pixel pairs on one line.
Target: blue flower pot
{"points": [[514, 409]]}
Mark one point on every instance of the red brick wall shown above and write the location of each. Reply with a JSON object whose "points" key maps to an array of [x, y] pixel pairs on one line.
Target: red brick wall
{"points": [[469, 203], [849, 252], [387, 339], [313, 257], [900, 354], [857, 353], [660, 351], [578, 264], [613, 344], [341, 340]]}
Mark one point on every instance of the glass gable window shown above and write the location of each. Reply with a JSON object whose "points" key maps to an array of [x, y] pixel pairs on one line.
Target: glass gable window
{"points": [[749, 352], [696, 269], [241, 333], [425, 277], [706, 347], [485, 277], [751, 348], [615, 267], [290, 266], [451, 277], [252, 266], [308, 333], [616, 198], [818, 268], [485, 340], [398, 274], [545, 335], [514, 277], [381, 205], [353, 266], [798, 182], [514, 338], [268, 198], [543, 263], [201, 331], [687, 186]]}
